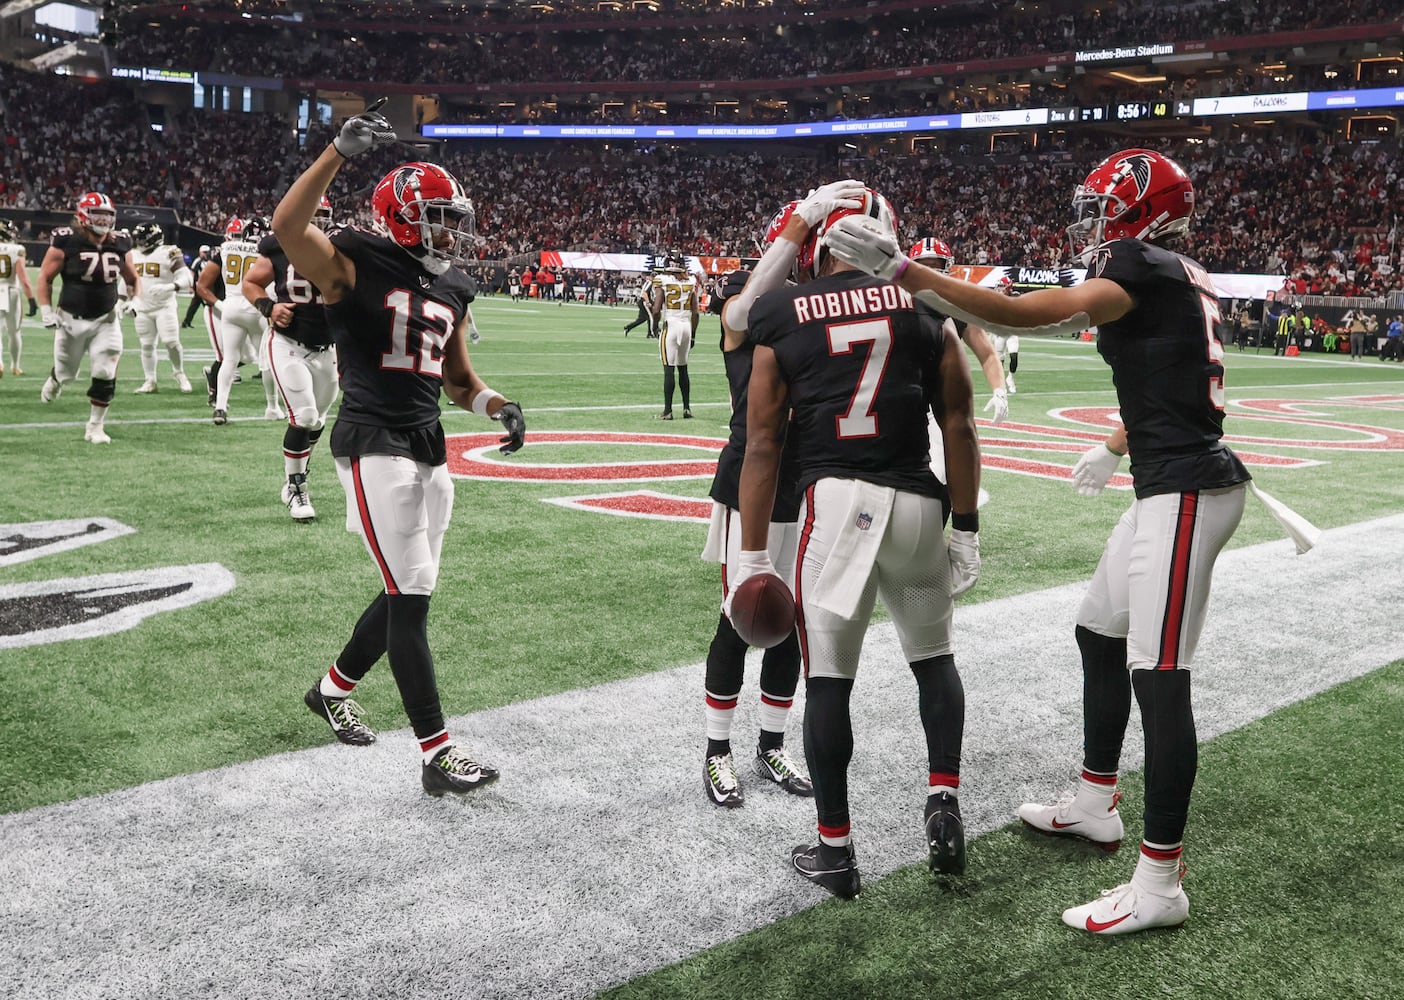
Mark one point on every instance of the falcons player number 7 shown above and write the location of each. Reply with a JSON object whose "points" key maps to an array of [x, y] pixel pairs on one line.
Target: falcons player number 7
{"points": [[417, 348], [859, 421]]}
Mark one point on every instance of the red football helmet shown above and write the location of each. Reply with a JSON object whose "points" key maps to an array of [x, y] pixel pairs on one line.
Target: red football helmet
{"points": [[780, 221], [1136, 193], [96, 212], [932, 252], [875, 206], [322, 218], [423, 209], [234, 229]]}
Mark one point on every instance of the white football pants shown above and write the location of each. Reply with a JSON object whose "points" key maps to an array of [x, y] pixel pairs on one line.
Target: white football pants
{"points": [[1152, 584], [306, 380], [100, 339], [401, 509]]}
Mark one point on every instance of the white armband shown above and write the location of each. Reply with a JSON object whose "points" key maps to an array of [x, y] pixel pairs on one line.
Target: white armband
{"points": [[483, 398], [1075, 323]]}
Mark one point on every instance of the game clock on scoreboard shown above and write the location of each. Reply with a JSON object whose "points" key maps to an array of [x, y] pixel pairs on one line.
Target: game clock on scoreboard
{"points": [[1134, 111]]}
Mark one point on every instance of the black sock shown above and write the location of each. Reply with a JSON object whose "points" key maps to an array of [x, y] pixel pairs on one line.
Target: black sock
{"points": [[684, 387], [780, 671], [726, 661], [367, 644], [941, 698], [1172, 752], [828, 746], [407, 643], [667, 388], [1106, 700]]}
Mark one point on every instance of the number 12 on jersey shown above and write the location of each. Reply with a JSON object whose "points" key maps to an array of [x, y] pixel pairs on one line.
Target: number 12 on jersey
{"points": [[417, 347]]}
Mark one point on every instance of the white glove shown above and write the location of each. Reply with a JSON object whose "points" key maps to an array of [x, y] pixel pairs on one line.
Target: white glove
{"points": [[748, 564], [1093, 469], [867, 245], [999, 402], [47, 317], [363, 132], [964, 549], [824, 200]]}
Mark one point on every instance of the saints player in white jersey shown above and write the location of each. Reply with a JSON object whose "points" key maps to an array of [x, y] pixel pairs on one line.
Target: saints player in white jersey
{"points": [[241, 326], [14, 282], [675, 299], [157, 318]]}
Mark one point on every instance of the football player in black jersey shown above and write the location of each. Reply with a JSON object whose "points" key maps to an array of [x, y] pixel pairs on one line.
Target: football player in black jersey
{"points": [[1157, 314], [301, 361], [858, 366], [90, 256], [726, 657], [397, 309]]}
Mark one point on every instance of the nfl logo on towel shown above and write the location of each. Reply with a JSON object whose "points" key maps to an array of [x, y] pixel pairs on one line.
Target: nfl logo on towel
{"points": [[864, 522]]}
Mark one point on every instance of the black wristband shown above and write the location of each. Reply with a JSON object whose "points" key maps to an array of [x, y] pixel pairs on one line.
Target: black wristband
{"points": [[265, 306], [966, 522]]}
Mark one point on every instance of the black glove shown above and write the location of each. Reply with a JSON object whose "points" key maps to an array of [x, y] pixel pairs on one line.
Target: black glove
{"points": [[514, 424], [33, 305], [363, 132]]}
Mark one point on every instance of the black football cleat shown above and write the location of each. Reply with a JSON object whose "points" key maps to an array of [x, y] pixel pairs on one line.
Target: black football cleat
{"points": [[945, 834], [834, 868], [775, 765], [346, 718], [452, 770]]}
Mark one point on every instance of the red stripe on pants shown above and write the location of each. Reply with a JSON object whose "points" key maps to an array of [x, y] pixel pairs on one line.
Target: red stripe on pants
{"points": [[363, 509], [799, 577], [1178, 591]]}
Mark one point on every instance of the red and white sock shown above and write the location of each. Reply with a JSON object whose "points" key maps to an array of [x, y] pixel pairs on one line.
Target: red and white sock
{"points": [[1096, 792], [774, 712], [336, 684], [835, 836], [431, 745], [721, 711], [940, 781], [1158, 868]]}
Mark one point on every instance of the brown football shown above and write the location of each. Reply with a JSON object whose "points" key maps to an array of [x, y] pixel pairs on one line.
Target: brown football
{"points": [[763, 610]]}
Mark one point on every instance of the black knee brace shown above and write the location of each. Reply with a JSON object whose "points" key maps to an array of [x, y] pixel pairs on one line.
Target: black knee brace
{"points": [[102, 390], [297, 440]]}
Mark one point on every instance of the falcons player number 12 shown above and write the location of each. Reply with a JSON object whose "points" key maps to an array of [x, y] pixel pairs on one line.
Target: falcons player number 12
{"points": [[417, 347]]}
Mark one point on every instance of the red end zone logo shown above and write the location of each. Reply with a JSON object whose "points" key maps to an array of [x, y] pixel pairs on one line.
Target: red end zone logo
{"points": [[475, 456], [1005, 448]]}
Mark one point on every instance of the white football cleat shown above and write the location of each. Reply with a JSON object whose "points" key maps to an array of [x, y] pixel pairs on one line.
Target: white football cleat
{"points": [[1070, 818], [1128, 908], [182, 383], [149, 386], [273, 413], [95, 434], [51, 389], [299, 503], [1009, 384]]}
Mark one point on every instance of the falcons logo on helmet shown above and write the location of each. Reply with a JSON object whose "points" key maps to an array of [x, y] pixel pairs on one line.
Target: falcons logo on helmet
{"points": [[406, 178], [1137, 166]]}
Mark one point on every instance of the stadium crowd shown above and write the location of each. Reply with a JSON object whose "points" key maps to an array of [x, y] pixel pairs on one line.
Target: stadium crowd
{"points": [[903, 38], [1323, 213]]}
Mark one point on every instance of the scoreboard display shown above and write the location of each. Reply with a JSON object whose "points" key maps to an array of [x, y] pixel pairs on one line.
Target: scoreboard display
{"points": [[1134, 111]]}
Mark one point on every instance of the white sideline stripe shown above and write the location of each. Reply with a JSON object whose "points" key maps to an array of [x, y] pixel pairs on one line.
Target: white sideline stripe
{"points": [[328, 872]]}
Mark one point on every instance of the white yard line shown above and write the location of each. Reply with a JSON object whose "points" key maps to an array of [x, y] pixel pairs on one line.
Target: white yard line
{"points": [[597, 858]]}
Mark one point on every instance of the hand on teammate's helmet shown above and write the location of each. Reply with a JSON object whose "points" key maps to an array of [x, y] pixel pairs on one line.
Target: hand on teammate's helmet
{"points": [[363, 132], [1093, 469], [964, 549], [866, 244], [999, 402], [514, 424], [829, 198]]}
